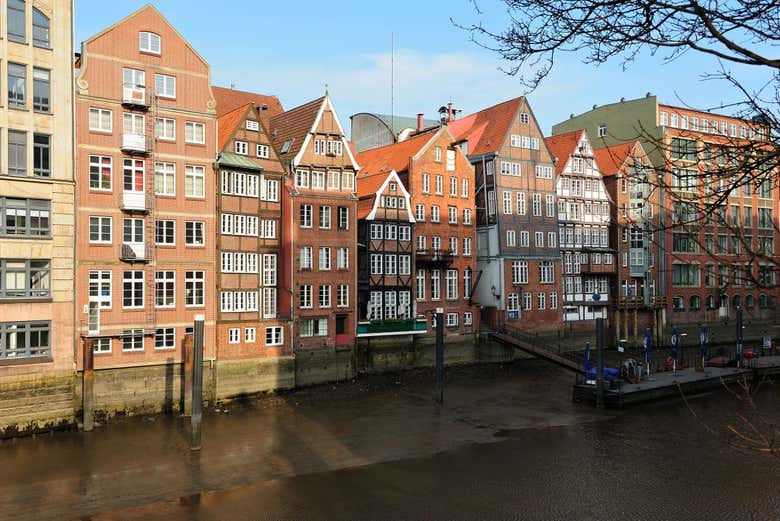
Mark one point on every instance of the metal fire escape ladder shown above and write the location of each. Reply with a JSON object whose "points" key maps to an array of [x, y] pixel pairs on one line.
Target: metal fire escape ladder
{"points": [[151, 202]]}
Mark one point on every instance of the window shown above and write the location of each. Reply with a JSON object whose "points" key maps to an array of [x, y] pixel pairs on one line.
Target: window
{"points": [[274, 336], [133, 289], [195, 288], [318, 180], [509, 168], [466, 246], [450, 160], [512, 302], [420, 284], [519, 272], [537, 205], [31, 217], [685, 275], [41, 90], [343, 218], [305, 215], [25, 279], [305, 296], [527, 301], [313, 327], [41, 155], [99, 230], [342, 296], [551, 239], [195, 132], [234, 335], [544, 172], [435, 285], [194, 181], [390, 264], [454, 186], [511, 238], [507, 199], [242, 147], [439, 185], [41, 37], [451, 284], [165, 232], [99, 345], [466, 216], [325, 217], [464, 188], [524, 239], [453, 214], [602, 130], [165, 128], [324, 296], [541, 301], [452, 319], [550, 205], [17, 26], [17, 153], [149, 42], [539, 239], [553, 300], [324, 258], [165, 179], [263, 151], [133, 340], [546, 272], [165, 289], [100, 288], [100, 120], [194, 233], [514, 140], [306, 257], [664, 119], [426, 183]]}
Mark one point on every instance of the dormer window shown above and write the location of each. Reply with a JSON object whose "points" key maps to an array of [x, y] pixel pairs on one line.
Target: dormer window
{"points": [[149, 42], [252, 125]]}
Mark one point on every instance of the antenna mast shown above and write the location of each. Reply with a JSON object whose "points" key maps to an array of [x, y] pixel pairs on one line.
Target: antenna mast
{"points": [[392, 85]]}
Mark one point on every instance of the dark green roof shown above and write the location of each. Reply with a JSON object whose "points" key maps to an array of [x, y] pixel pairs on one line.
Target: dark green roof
{"points": [[237, 161]]}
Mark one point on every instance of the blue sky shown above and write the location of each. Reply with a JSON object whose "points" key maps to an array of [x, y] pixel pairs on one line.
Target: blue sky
{"points": [[291, 49]]}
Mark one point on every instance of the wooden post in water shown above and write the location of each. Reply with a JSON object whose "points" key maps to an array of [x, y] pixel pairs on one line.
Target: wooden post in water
{"points": [[439, 395], [186, 355], [197, 383], [600, 363], [88, 384]]}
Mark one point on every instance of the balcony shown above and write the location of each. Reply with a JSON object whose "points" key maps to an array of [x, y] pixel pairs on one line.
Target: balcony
{"points": [[133, 252], [134, 202], [590, 268], [410, 326], [434, 257], [135, 144], [134, 96]]}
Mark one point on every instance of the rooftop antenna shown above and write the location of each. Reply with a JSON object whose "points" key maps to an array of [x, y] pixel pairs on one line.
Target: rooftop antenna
{"points": [[392, 85], [326, 88]]}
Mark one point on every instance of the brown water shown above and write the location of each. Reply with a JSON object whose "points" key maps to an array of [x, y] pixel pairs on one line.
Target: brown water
{"points": [[508, 444]]}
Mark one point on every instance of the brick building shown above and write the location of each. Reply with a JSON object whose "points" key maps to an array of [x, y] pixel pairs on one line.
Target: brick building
{"points": [[386, 257], [515, 197], [249, 210], [440, 182], [710, 225], [583, 229], [145, 121], [318, 289], [634, 215], [37, 214]]}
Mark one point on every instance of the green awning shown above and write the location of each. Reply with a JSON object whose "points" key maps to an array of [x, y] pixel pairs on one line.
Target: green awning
{"points": [[229, 159]]}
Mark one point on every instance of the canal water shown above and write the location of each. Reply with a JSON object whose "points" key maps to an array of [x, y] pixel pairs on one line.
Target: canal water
{"points": [[508, 444]]}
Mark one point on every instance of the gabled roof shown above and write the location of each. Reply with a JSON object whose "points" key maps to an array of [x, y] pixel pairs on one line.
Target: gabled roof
{"points": [[611, 159], [367, 188], [294, 124], [227, 123], [156, 12], [391, 157], [485, 130], [230, 99], [562, 146]]}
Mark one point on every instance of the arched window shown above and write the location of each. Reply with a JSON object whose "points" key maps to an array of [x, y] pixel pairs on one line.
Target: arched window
{"points": [[762, 302], [750, 301], [710, 302], [736, 301], [17, 29], [41, 25], [724, 301], [678, 303], [695, 302]]}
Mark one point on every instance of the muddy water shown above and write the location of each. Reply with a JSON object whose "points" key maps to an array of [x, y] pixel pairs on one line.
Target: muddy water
{"points": [[508, 444]]}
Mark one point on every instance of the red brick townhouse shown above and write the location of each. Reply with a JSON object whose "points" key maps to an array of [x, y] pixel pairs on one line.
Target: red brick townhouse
{"points": [[319, 277]]}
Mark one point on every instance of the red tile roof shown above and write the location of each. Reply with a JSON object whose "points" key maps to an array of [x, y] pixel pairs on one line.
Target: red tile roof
{"points": [[612, 158], [562, 146], [485, 130], [228, 122], [294, 124], [230, 99], [391, 157]]}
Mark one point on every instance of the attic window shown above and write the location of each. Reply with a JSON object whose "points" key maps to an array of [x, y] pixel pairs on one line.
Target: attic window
{"points": [[252, 125], [286, 146], [149, 42], [602, 130], [524, 118], [392, 187]]}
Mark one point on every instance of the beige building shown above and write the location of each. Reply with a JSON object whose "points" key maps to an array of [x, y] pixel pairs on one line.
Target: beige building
{"points": [[37, 205]]}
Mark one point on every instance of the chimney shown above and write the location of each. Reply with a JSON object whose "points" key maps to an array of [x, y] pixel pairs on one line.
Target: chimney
{"points": [[450, 112], [420, 122]]}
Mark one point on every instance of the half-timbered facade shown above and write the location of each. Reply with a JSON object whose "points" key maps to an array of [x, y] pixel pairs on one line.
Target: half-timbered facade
{"points": [[249, 211], [386, 305], [583, 228]]}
